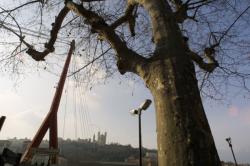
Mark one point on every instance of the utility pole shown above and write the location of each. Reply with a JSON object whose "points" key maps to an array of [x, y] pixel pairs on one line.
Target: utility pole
{"points": [[231, 147]]}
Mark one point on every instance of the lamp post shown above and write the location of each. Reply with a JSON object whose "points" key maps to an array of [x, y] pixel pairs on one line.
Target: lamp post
{"points": [[231, 147], [138, 112]]}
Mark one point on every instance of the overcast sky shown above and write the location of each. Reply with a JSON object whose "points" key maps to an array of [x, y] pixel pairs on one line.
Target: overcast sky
{"points": [[106, 108]]}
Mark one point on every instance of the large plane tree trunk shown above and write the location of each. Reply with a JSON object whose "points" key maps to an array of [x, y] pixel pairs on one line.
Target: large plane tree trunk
{"points": [[183, 133], [184, 137]]}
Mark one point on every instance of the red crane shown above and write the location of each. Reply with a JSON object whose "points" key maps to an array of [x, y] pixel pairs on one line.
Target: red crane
{"points": [[2, 119], [50, 121]]}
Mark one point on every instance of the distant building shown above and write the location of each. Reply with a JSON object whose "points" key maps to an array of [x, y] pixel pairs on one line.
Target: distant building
{"points": [[152, 155], [94, 138], [4, 144], [26, 143], [88, 140], [16, 145], [101, 138], [150, 159], [147, 161], [232, 164]]}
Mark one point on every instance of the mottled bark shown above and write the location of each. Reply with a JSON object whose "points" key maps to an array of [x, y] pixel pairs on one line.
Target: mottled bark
{"points": [[183, 134]]}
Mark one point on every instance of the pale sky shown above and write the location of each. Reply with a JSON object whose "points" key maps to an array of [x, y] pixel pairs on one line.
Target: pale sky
{"points": [[26, 104], [108, 107]]}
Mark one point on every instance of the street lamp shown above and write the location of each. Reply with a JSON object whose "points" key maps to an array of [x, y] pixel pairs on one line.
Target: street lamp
{"points": [[138, 112], [231, 147]]}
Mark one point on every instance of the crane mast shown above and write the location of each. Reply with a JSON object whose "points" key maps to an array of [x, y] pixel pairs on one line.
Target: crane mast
{"points": [[50, 121]]}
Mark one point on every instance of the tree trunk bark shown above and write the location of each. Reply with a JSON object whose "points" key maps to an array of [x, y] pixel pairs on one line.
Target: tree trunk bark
{"points": [[184, 137], [183, 134]]}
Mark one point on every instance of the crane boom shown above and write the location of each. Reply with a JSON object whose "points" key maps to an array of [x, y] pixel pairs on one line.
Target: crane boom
{"points": [[50, 121]]}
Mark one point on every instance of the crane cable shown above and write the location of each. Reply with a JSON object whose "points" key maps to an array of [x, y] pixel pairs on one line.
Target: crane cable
{"points": [[81, 116]]}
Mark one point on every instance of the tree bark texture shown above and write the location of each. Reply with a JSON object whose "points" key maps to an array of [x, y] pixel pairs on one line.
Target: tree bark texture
{"points": [[184, 137], [183, 134]]}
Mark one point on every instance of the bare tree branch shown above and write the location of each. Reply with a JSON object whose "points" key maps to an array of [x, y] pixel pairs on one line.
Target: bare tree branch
{"points": [[91, 62], [230, 27], [127, 59], [25, 4], [49, 47], [209, 67], [127, 17]]}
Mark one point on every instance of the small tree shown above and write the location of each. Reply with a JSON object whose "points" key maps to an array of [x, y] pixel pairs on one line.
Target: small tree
{"points": [[169, 44]]}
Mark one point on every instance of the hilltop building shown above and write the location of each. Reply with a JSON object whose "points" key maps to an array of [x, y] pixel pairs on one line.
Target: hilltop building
{"points": [[101, 138]]}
